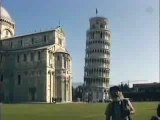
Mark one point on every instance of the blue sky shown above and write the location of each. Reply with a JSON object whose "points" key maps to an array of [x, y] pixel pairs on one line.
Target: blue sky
{"points": [[134, 25]]}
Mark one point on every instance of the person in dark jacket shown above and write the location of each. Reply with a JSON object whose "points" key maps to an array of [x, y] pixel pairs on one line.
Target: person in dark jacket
{"points": [[119, 108]]}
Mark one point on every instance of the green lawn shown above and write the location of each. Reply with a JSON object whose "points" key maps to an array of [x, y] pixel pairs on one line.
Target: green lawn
{"points": [[144, 110]]}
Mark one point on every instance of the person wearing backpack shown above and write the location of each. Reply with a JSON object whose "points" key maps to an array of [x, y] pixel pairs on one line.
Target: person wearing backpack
{"points": [[119, 108]]}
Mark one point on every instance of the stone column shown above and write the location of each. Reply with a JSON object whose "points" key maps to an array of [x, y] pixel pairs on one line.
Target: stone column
{"points": [[62, 89], [62, 61], [53, 84]]}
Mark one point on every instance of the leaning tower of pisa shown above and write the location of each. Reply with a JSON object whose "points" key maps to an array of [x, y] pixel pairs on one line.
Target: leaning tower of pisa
{"points": [[97, 59]]}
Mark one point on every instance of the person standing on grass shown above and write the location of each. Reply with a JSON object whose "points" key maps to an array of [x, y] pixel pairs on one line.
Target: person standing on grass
{"points": [[119, 108]]}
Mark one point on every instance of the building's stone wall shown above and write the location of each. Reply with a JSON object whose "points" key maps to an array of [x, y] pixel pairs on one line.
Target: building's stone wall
{"points": [[30, 69], [29, 41]]}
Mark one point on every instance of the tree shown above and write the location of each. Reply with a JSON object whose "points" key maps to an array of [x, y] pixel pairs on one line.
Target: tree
{"points": [[77, 92], [124, 87], [73, 94]]}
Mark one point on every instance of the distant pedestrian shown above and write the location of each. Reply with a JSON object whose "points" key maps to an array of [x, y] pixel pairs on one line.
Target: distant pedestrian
{"points": [[119, 108]]}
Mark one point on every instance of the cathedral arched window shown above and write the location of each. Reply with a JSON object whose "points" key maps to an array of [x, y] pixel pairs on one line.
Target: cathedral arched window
{"points": [[64, 62], [7, 32], [21, 42], [59, 41], [18, 58], [0, 43], [1, 57], [24, 57], [11, 44], [49, 72], [32, 39], [45, 38], [19, 80], [32, 56], [39, 55], [1, 78]]}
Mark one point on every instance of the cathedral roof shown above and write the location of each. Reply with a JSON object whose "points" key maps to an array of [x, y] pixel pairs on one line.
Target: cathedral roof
{"points": [[62, 50], [5, 15]]}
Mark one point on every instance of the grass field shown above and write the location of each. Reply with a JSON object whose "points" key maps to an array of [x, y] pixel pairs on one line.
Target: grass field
{"points": [[144, 110]]}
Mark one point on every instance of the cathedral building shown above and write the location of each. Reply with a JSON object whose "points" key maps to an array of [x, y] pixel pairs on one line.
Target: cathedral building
{"points": [[97, 60], [34, 67]]}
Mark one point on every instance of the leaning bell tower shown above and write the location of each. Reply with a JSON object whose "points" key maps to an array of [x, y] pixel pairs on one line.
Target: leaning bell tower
{"points": [[97, 59]]}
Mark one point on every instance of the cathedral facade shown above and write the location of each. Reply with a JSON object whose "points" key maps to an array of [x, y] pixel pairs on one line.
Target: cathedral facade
{"points": [[35, 67]]}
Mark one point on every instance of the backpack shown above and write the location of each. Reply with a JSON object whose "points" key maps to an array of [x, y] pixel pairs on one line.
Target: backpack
{"points": [[155, 118], [124, 109]]}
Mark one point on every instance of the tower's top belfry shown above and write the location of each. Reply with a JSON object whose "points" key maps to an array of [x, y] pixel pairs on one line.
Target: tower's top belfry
{"points": [[98, 23]]}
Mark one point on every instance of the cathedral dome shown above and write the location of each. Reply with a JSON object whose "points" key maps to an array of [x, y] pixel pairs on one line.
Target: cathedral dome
{"points": [[7, 24], [5, 15]]}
